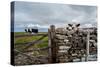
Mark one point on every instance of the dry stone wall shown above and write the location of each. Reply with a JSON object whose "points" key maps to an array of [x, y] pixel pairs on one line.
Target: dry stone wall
{"points": [[69, 44]]}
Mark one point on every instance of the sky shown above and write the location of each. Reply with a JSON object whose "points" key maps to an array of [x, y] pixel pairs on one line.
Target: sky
{"points": [[43, 15]]}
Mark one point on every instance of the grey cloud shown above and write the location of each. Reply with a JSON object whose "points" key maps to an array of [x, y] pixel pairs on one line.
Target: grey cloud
{"points": [[58, 14]]}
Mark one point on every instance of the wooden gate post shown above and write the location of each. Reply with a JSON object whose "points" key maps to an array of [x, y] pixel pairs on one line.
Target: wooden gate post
{"points": [[49, 44], [51, 33], [87, 45]]}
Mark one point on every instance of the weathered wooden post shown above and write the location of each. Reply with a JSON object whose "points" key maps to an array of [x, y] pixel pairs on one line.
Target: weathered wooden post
{"points": [[51, 33], [87, 45], [49, 44]]}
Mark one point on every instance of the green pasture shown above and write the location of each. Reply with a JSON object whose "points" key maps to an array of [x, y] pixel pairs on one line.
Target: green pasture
{"points": [[20, 43]]}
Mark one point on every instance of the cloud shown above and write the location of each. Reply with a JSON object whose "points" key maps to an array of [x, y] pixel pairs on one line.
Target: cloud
{"points": [[36, 26], [45, 14], [88, 25]]}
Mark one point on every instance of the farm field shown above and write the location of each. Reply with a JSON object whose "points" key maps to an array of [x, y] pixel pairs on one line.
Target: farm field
{"points": [[21, 42]]}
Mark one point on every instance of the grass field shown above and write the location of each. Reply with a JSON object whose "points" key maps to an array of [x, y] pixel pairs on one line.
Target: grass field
{"points": [[19, 43]]}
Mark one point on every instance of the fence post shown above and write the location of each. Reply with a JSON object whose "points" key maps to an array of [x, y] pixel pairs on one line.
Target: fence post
{"points": [[49, 44], [87, 45], [52, 44]]}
